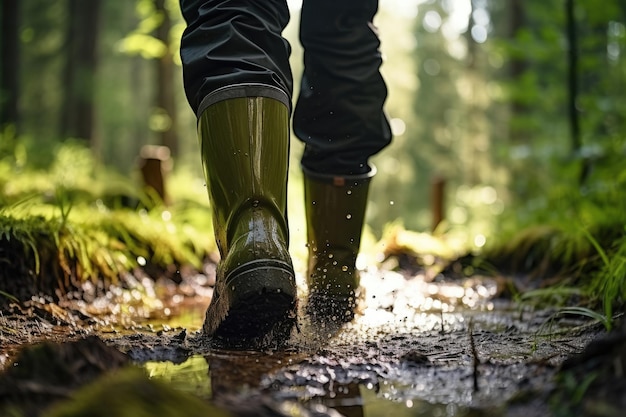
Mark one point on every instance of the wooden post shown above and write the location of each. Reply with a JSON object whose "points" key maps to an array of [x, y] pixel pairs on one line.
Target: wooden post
{"points": [[155, 163], [438, 186]]}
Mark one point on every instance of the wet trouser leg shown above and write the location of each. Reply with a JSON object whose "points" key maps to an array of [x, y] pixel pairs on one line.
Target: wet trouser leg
{"points": [[229, 43], [339, 113]]}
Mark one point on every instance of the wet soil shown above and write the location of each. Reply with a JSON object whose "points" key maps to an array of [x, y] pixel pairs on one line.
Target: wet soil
{"points": [[419, 346]]}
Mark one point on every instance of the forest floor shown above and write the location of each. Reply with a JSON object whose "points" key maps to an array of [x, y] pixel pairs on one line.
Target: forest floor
{"points": [[420, 346]]}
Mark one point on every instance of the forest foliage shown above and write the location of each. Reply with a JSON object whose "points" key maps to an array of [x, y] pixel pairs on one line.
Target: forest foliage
{"points": [[517, 105]]}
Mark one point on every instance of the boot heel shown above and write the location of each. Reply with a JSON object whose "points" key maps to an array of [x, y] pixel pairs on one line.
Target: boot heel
{"points": [[261, 277], [258, 299]]}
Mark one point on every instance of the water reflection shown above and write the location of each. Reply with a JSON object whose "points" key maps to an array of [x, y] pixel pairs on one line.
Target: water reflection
{"points": [[401, 356], [344, 399], [236, 372], [241, 383], [238, 381]]}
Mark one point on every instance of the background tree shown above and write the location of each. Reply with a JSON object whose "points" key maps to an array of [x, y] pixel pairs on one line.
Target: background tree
{"points": [[79, 77], [166, 99], [9, 56]]}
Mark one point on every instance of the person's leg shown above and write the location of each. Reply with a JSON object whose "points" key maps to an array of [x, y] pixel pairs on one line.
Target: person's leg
{"points": [[237, 79], [339, 113], [228, 44], [339, 116]]}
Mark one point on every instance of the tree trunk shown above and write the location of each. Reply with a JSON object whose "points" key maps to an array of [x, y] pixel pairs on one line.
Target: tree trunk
{"points": [[572, 40], [9, 56], [165, 100], [517, 68], [81, 66]]}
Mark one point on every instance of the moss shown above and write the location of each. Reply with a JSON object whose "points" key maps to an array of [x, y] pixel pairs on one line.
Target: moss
{"points": [[76, 221], [129, 392]]}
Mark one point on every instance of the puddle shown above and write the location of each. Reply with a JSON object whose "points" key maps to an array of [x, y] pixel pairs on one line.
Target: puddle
{"points": [[210, 379], [192, 376], [412, 352]]}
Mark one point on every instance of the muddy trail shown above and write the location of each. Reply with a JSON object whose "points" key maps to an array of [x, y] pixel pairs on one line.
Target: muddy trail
{"points": [[418, 347]]}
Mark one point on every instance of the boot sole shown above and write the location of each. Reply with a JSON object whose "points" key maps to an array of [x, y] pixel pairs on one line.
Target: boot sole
{"points": [[257, 301]]}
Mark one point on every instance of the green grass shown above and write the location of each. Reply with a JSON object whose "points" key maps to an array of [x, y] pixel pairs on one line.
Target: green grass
{"points": [[82, 222], [98, 244], [573, 240]]}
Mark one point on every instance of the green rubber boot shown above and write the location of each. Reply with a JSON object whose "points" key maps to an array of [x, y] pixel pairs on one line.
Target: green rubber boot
{"points": [[335, 211], [245, 149]]}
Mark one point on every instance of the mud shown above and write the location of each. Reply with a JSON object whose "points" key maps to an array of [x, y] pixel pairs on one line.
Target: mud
{"points": [[419, 346]]}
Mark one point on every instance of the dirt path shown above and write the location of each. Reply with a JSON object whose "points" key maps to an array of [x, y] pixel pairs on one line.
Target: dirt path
{"points": [[419, 348]]}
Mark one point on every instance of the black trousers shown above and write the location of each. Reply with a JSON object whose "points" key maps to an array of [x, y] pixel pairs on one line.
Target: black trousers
{"points": [[234, 48]]}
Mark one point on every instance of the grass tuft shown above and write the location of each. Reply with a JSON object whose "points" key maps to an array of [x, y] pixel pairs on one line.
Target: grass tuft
{"points": [[61, 227]]}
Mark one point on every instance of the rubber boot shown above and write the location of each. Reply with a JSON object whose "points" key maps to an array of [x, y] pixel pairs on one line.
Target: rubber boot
{"points": [[335, 212], [245, 147]]}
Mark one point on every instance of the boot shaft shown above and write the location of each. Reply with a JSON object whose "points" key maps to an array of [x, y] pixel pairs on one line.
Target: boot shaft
{"points": [[245, 149], [335, 211]]}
